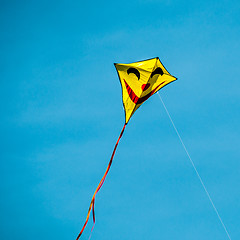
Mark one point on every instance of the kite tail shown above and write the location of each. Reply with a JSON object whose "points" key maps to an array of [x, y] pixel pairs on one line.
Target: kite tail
{"points": [[91, 207]]}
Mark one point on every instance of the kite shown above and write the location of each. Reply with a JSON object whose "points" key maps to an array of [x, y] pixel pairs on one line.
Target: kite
{"points": [[139, 81]]}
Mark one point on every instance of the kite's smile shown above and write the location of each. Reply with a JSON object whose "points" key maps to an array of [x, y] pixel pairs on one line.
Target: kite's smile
{"points": [[135, 98]]}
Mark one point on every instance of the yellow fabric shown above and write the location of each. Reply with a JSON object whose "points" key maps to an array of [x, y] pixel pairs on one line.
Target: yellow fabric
{"points": [[134, 76]]}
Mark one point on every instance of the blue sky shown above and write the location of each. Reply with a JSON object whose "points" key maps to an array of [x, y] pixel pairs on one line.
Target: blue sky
{"points": [[61, 114]]}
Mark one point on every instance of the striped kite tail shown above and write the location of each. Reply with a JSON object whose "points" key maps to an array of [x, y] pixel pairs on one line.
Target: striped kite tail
{"points": [[91, 207]]}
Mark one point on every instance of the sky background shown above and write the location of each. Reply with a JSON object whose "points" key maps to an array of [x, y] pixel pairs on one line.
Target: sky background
{"points": [[61, 114]]}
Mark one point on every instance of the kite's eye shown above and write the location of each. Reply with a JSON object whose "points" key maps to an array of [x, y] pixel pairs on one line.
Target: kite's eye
{"points": [[134, 71], [157, 71]]}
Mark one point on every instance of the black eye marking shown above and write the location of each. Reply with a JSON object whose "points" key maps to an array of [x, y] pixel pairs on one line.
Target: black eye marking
{"points": [[157, 71], [135, 71]]}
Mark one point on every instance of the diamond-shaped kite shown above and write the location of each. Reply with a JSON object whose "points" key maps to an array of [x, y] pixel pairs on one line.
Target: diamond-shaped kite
{"points": [[139, 80]]}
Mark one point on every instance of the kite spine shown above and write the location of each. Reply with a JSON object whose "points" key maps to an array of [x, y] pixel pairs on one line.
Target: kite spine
{"points": [[91, 207]]}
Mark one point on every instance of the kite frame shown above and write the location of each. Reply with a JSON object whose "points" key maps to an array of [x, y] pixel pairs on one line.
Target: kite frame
{"points": [[153, 94]]}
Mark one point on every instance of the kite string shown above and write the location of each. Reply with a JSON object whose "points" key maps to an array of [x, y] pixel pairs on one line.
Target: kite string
{"points": [[91, 207], [199, 177]]}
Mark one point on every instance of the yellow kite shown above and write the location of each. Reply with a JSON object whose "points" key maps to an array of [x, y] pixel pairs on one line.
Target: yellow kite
{"points": [[139, 81]]}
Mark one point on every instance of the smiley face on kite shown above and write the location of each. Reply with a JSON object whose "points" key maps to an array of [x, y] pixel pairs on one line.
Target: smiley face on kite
{"points": [[140, 80], [145, 86]]}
